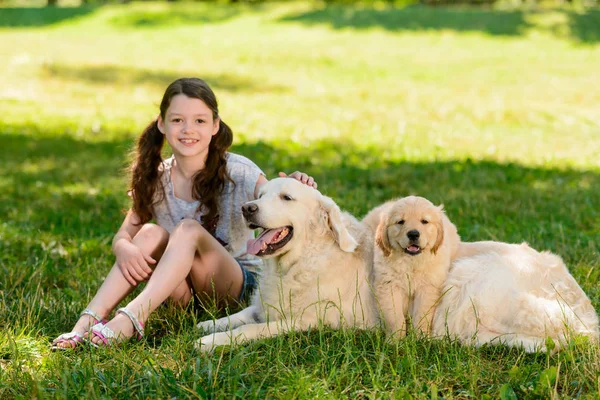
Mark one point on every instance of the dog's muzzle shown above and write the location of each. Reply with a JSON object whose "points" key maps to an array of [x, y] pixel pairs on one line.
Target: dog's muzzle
{"points": [[249, 209]]}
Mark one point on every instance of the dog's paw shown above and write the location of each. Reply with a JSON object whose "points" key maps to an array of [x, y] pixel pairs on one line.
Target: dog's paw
{"points": [[208, 343], [204, 345], [207, 326]]}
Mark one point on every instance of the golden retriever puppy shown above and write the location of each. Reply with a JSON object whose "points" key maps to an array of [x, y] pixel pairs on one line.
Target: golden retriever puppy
{"points": [[415, 242], [317, 268], [512, 294]]}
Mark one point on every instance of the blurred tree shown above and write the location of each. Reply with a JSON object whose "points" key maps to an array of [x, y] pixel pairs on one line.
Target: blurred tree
{"points": [[52, 3]]}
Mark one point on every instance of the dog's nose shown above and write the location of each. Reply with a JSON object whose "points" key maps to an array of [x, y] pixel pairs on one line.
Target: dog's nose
{"points": [[249, 209], [413, 235]]}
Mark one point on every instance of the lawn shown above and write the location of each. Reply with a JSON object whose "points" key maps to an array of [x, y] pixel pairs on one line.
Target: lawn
{"points": [[493, 112]]}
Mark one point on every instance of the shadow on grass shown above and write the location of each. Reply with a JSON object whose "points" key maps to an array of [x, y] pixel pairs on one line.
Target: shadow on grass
{"points": [[61, 184], [415, 18], [583, 27], [134, 16], [67, 185], [178, 14], [38, 17], [113, 74]]}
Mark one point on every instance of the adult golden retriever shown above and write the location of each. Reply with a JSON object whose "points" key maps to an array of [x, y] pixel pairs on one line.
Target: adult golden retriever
{"points": [[512, 294], [317, 268], [415, 243]]}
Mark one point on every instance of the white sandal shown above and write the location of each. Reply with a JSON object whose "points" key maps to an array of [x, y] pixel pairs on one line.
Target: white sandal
{"points": [[74, 338], [108, 336]]}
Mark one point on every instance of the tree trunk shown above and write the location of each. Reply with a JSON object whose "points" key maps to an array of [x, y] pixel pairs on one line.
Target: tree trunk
{"points": [[52, 3]]}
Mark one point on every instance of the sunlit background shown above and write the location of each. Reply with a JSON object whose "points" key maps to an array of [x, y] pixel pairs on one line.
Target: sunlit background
{"points": [[492, 108]]}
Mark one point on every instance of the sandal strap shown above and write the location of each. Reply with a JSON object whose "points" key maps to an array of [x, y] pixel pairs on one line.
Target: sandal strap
{"points": [[91, 313], [139, 327], [104, 333], [71, 336]]}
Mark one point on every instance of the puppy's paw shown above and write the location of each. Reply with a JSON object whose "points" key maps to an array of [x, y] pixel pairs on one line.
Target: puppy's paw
{"points": [[208, 343]]}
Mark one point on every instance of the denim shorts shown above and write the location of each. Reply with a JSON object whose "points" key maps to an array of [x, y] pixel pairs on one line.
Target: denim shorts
{"points": [[250, 283]]}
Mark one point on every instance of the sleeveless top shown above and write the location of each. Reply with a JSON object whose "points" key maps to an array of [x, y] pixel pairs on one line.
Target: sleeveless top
{"points": [[228, 227]]}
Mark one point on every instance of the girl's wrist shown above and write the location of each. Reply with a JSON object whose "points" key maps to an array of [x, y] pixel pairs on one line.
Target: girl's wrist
{"points": [[116, 242]]}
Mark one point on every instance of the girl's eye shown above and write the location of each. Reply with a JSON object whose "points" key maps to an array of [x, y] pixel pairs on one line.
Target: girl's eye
{"points": [[176, 120], [424, 221], [401, 222], [286, 197], [199, 121]]}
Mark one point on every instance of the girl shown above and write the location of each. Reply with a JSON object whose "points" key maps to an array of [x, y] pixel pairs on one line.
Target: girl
{"points": [[198, 243]]}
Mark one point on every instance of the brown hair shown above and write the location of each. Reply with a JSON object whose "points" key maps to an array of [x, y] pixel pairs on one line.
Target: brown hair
{"points": [[208, 183]]}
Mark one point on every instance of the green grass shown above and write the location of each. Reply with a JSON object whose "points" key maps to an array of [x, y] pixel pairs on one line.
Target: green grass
{"points": [[493, 112]]}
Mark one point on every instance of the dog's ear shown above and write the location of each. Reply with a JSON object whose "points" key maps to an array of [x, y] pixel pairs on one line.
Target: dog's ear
{"points": [[334, 219], [381, 236], [439, 226]]}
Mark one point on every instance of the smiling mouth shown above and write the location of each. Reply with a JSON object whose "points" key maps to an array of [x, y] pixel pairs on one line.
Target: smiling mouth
{"points": [[189, 141], [413, 250], [270, 240]]}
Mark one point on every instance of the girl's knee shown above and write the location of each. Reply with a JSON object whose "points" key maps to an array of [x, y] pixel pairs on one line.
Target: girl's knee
{"points": [[189, 229], [151, 232]]}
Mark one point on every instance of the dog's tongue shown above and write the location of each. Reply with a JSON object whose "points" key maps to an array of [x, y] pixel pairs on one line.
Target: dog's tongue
{"points": [[413, 248], [255, 245]]}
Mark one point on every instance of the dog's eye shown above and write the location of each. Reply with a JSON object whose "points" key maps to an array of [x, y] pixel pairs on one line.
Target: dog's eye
{"points": [[401, 222], [286, 197], [424, 221]]}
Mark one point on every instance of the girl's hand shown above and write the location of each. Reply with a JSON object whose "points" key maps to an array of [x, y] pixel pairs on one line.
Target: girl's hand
{"points": [[132, 262], [302, 177]]}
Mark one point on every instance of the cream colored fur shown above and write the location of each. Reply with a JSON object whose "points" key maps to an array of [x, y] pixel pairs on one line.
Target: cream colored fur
{"points": [[408, 286], [321, 276], [512, 294], [494, 292]]}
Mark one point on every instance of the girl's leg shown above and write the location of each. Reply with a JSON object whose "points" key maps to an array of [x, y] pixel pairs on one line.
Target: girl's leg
{"points": [[192, 252], [182, 294], [152, 240]]}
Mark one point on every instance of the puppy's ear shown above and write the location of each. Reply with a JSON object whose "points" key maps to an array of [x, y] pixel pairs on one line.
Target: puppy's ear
{"points": [[334, 217], [439, 226], [381, 237]]}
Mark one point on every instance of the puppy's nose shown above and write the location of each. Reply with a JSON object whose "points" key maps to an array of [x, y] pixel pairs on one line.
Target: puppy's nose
{"points": [[413, 235], [249, 209]]}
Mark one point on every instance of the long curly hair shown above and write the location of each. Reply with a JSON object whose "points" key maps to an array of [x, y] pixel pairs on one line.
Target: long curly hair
{"points": [[208, 182]]}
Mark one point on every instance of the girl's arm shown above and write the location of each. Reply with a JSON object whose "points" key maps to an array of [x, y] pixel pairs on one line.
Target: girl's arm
{"points": [[132, 262], [129, 228], [300, 176]]}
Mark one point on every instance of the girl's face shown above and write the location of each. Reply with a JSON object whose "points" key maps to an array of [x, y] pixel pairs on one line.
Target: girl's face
{"points": [[188, 126]]}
